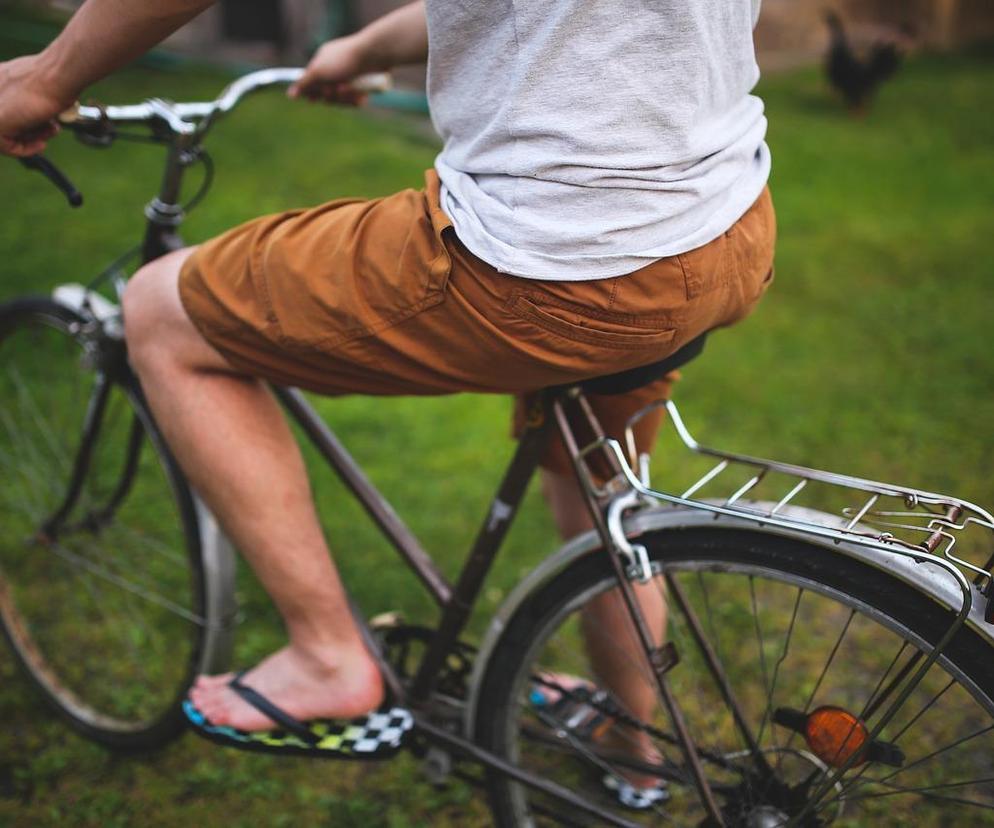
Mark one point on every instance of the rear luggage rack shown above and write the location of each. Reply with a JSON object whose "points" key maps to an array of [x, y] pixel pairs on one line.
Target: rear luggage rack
{"points": [[922, 525]]}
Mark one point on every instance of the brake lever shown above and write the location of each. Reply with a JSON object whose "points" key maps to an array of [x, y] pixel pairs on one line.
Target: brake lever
{"points": [[55, 175]]}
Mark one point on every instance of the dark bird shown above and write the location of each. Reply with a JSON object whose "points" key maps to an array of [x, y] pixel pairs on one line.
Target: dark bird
{"points": [[857, 72]]}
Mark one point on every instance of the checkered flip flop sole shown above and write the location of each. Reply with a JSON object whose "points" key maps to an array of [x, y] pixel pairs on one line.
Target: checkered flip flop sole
{"points": [[633, 798], [377, 735]]}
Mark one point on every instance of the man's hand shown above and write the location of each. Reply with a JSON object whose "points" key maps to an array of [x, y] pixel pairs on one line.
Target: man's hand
{"points": [[398, 38], [27, 110], [101, 36], [328, 75]]}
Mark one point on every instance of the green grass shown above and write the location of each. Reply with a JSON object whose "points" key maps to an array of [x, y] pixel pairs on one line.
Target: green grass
{"points": [[872, 355]]}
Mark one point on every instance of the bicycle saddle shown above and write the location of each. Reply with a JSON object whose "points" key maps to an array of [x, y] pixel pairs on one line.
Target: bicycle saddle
{"points": [[633, 378]]}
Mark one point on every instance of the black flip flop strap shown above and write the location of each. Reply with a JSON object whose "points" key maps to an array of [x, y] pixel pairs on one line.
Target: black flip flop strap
{"points": [[266, 707]]}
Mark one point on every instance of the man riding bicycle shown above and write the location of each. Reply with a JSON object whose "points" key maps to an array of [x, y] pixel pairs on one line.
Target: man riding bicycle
{"points": [[600, 201]]}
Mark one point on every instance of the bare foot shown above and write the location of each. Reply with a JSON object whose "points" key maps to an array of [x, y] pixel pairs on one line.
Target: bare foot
{"points": [[305, 685]]}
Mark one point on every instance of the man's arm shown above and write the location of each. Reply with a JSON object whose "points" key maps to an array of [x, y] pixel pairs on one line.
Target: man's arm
{"points": [[393, 40], [102, 36], [106, 34]]}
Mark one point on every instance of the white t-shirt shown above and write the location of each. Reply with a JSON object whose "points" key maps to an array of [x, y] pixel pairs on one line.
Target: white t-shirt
{"points": [[588, 138]]}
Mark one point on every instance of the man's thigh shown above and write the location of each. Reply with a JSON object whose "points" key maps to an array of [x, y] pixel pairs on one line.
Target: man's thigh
{"points": [[379, 297], [312, 298]]}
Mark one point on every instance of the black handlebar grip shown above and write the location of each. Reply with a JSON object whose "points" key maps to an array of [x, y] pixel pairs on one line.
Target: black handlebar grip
{"points": [[55, 175]]}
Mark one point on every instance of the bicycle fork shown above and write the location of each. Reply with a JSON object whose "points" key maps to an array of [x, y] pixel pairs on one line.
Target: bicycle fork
{"points": [[108, 355]]}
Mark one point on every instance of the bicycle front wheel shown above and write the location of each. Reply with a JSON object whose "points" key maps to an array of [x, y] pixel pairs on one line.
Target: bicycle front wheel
{"points": [[104, 606], [811, 648]]}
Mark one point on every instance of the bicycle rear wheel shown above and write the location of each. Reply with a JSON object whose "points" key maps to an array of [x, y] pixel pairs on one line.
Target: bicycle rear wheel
{"points": [[795, 629], [105, 612]]}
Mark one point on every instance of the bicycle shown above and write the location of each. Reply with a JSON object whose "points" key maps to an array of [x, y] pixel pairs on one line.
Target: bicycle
{"points": [[817, 667]]}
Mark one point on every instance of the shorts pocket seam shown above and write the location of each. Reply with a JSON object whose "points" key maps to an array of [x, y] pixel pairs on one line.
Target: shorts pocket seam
{"points": [[650, 323], [526, 307], [363, 331]]}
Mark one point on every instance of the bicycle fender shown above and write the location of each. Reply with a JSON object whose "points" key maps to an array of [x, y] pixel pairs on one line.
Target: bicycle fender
{"points": [[931, 580]]}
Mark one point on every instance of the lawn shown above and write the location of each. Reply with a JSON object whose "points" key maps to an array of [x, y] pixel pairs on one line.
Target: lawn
{"points": [[872, 355]]}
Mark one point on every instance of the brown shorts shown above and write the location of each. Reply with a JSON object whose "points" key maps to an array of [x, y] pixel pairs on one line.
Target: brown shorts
{"points": [[380, 297]]}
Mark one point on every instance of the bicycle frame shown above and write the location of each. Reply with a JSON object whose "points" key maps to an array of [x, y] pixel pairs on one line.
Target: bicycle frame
{"points": [[164, 215], [550, 418], [457, 602]]}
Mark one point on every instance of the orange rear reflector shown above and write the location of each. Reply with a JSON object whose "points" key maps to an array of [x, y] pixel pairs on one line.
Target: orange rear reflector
{"points": [[834, 735]]}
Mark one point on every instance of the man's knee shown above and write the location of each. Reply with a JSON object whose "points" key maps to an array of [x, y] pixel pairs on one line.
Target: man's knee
{"points": [[152, 308]]}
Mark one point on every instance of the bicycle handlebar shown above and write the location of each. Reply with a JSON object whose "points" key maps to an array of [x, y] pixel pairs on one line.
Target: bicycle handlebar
{"points": [[182, 119], [191, 118], [41, 164]]}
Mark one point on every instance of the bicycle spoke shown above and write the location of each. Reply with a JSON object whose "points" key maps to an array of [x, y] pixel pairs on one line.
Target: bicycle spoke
{"points": [[935, 753], [714, 637], [100, 572], [151, 543], [928, 791], [854, 781], [861, 781], [679, 638], [104, 607], [33, 459], [925, 708], [768, 711], [110, 560], [783, 657], [707, 609], [30, 502], [824, 671], [871, 702], [39, 419]]}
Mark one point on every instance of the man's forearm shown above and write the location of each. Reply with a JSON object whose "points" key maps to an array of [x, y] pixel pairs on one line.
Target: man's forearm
{"points": [[104, 35], [395, 39]]}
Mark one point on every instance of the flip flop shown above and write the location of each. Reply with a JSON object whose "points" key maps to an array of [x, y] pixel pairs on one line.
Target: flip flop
{"points": [[580, 707], [377, 735], [633, 797], [586, 711]]}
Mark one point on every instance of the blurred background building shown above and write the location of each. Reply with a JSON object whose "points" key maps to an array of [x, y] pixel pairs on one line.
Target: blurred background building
{"points": [[791, 32]]}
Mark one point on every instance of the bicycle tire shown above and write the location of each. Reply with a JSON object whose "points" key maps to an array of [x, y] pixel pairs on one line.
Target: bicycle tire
{"points": [[749, 579], [107, 621]]}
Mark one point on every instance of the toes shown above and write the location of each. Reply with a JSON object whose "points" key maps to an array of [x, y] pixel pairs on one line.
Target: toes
{"points": [[216, 710], [200, 696], [210, 695], [218, 714], [221, 707]]}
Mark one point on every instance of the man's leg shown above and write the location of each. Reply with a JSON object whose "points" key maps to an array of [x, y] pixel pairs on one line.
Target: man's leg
{"points": [[229, 435], [611, 641]]}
